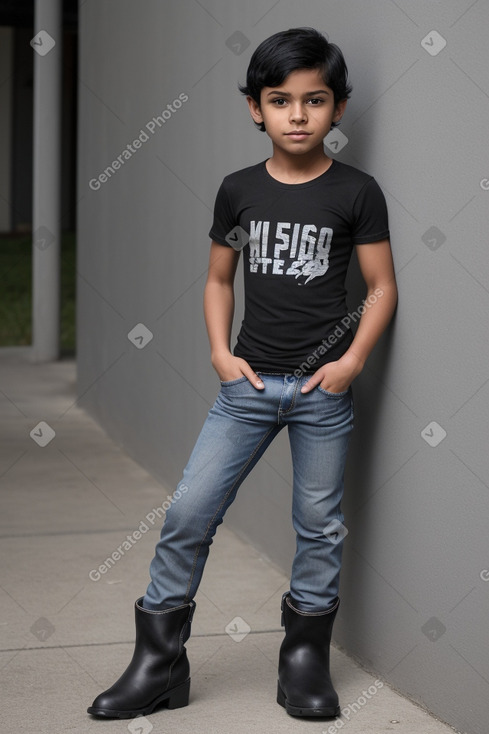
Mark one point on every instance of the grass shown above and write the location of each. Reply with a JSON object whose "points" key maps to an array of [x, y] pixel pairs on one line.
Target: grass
{"points": [[16, 290]]}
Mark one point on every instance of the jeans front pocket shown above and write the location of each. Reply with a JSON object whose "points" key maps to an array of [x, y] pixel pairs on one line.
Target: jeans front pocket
{"points": [[230, 383], [333, 394]]}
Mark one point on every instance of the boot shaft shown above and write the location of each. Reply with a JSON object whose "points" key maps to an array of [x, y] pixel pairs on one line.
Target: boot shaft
{"points": [[304, 686], [159, 670], [316, 627], [165, 631]]}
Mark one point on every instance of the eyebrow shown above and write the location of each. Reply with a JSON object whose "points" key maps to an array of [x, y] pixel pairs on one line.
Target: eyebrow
{"points": [[307, 94]]}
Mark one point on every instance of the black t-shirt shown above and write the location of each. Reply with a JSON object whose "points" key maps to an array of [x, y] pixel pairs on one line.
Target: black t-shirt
{"points": [[301, 237]]}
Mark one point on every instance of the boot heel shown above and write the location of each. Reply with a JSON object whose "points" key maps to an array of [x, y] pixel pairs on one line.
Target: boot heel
{"points": [[280, 696], [179, 696]]}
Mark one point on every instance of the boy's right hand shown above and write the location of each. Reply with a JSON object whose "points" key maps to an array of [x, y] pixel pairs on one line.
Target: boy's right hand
{"points": [[229, 367]]}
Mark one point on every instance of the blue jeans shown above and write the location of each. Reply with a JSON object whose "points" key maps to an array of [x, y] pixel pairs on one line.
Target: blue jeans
{"points": [[240, 425]]}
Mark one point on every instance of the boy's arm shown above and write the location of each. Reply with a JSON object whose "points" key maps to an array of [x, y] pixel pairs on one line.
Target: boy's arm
{"points": [[377, 269], [219, 311]]}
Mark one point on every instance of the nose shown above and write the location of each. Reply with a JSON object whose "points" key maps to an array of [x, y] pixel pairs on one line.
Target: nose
{"points": [[297, 112]]}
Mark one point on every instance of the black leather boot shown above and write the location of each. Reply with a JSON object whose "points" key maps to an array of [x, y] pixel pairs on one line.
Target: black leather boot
{"points": [[159, 670], [304, 681]]}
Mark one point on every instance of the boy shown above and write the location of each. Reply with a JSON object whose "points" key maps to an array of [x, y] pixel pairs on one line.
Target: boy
{"points": [[296, 217]]}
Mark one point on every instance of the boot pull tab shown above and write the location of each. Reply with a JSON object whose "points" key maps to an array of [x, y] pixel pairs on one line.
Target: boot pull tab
{"points": [[282, 607]]}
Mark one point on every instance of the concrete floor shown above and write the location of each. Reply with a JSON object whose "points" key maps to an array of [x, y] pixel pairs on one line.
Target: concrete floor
{"points": [[66, 634]]}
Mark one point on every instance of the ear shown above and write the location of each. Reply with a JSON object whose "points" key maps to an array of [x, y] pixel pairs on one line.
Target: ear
{"points": [[255, 110], [339, 110]]}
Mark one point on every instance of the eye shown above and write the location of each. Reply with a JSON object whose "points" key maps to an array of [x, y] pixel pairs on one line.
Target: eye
{"points": [[278, 101], [315, 101]]}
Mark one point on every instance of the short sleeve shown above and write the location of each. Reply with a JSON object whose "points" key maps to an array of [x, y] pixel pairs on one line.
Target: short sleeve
{"points": [[370, 219], [224, 216]]}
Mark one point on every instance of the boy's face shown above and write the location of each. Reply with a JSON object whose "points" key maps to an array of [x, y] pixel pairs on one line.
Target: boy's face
{"points": [[299, 112]]}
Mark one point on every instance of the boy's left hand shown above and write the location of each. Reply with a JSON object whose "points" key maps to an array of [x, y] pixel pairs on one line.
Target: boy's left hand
{"points": [[336, 376]]}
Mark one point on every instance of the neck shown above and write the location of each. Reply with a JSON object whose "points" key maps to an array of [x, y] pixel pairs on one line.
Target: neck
{"points": [[298, 168]]}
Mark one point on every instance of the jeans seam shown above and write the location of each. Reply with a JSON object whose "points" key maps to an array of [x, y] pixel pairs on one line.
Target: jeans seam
{"points": [[224, 500]]}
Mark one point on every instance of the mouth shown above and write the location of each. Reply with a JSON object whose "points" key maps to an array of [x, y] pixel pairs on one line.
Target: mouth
{"points": [[298, 134]]}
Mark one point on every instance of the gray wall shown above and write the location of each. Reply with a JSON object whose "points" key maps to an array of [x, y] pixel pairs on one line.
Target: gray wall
{"points": [[414, 588]]}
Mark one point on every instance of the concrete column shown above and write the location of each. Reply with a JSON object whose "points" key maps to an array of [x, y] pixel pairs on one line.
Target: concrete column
{"points": [[46, 225], [6, 64]]}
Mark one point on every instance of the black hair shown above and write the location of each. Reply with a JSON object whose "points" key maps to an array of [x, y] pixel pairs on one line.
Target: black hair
{"points": [[287, 51]]}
